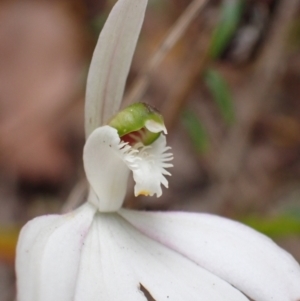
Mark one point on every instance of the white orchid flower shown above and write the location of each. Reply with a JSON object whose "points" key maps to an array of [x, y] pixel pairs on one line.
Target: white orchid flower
{"points": [[103, 252]]}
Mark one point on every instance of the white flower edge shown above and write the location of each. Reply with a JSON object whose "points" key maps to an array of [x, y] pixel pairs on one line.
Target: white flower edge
{"points": [[48, 254], [250, 261], [92, 256], [111, 62], [108, 160]]}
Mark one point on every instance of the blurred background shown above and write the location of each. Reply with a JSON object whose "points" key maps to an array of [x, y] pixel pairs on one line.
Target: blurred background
{"points": [[229, 90]]}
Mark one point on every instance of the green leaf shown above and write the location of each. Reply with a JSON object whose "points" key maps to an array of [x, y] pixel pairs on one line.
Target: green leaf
{"points": [[230, 16], [98, 22], [221, 94], [281, 225], [196, 131]]}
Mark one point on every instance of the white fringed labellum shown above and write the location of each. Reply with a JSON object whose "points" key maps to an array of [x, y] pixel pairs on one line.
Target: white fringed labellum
{"points": [[127, 143]]}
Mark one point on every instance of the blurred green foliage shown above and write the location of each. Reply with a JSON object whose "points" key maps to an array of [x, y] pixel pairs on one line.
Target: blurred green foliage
{"points": [[221, 94], [293, 211], [196, 131], [294, 36], [98, 22], [231, 13], [277, 226]]}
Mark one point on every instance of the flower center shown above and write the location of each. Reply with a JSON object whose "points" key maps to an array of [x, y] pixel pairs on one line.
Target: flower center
{"points": [[139, 122]]}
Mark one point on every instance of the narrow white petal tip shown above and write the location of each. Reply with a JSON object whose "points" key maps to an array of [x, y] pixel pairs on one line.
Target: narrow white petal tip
{"points": [[155, 127], [111, 62]]}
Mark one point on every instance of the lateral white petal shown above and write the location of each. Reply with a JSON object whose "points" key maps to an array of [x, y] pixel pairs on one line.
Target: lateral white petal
{"points": [[111, 62], [48, 255], [105, 169], [127, 258], [103, 273], [245, 258]]}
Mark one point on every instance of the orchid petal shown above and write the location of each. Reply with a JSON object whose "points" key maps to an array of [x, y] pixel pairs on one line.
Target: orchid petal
{"points": [[105, 170], [48, 254], [111, 62], [245, 258], [103, 273], [150, 168], [118, 258]]}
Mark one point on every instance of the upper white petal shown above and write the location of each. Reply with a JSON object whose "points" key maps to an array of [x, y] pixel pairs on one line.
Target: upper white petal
{"points": [[48, 255], [245, 258], [116, 259], [111, 62], [105, 169]]}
